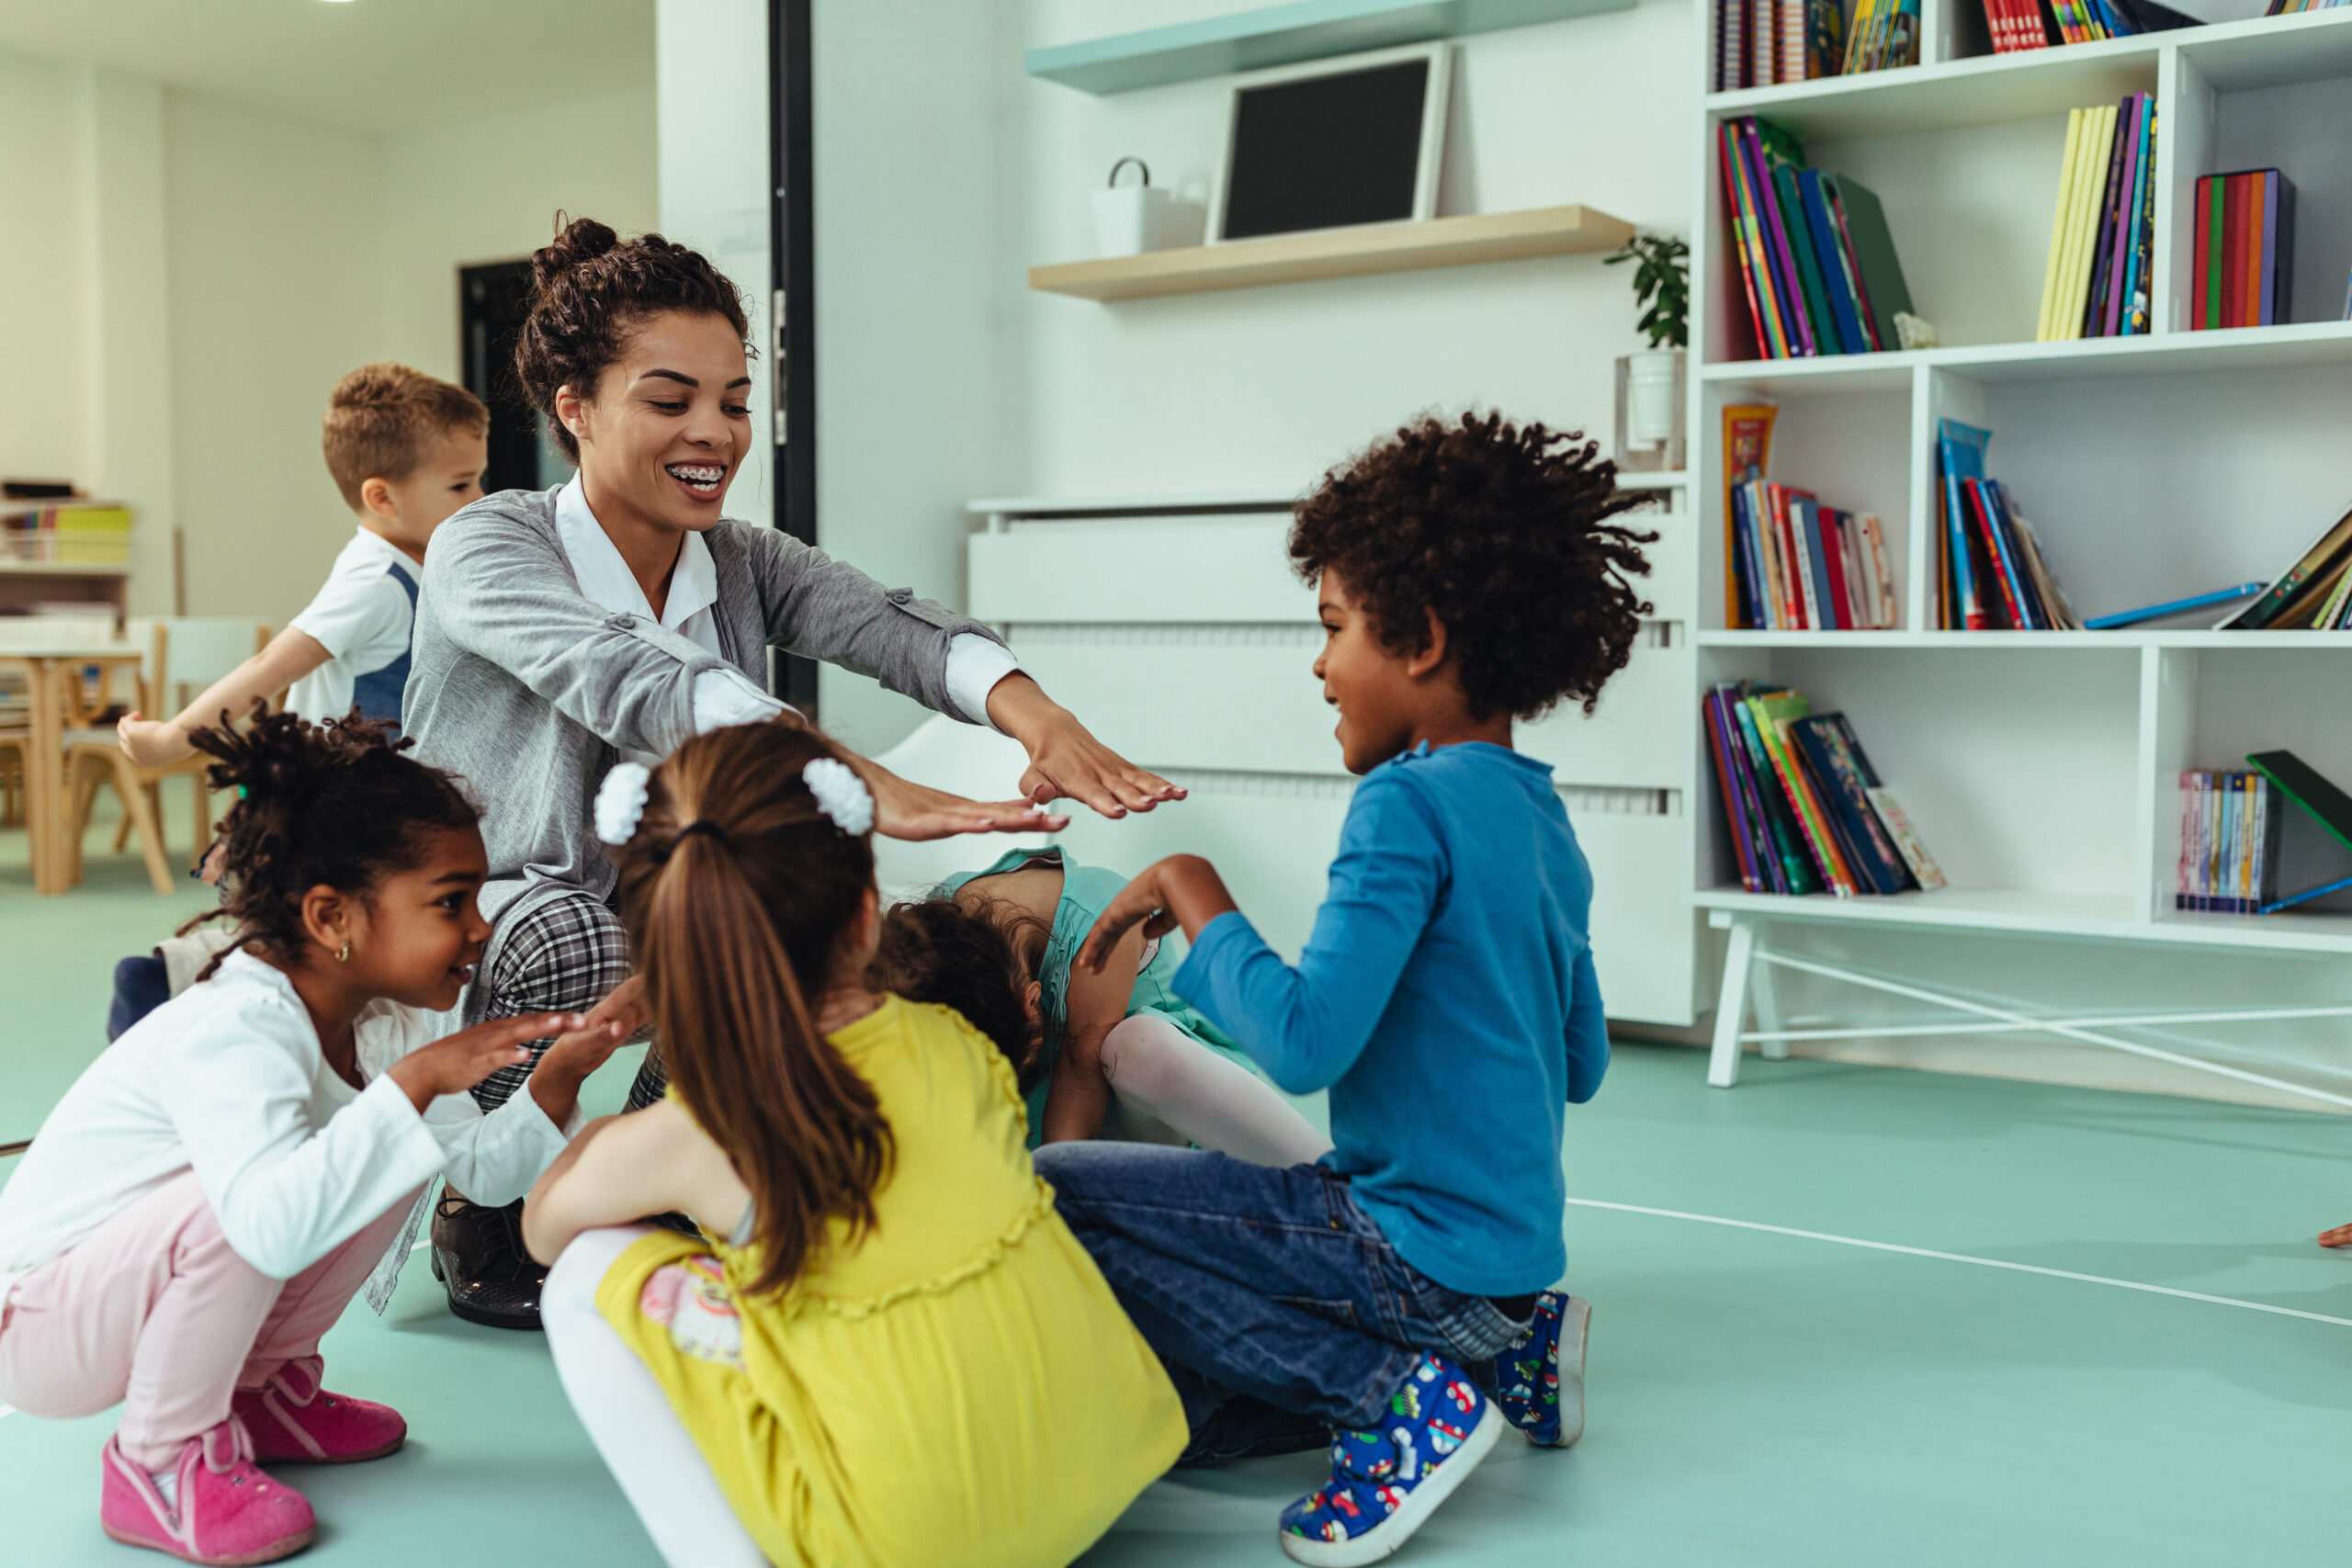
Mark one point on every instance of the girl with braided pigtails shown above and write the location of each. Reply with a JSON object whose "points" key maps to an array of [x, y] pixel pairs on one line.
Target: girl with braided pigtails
{"points": [[212, 1191], [886, 1345]]}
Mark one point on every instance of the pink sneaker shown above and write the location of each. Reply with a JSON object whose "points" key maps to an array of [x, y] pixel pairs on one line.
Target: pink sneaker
{"points": [[294, 1421], [229, 1513]]}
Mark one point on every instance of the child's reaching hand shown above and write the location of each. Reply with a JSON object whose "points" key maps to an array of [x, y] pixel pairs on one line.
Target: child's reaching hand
{"points": [[2340, 1237], [1181, 890], [455, 1065]]}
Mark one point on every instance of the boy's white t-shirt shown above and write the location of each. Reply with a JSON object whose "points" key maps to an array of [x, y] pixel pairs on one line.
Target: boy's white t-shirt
{"points": [[361, 616]]}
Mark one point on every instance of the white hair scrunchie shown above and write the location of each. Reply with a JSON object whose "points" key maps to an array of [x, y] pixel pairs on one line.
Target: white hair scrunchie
{"points": [[620, 801], [840, 794]]}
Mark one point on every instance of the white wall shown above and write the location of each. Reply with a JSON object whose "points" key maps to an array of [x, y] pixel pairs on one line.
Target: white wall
{"points": [[1266, 388], [192, 277], [276, 289], [919, 402], [488, 190], [711, 76]]}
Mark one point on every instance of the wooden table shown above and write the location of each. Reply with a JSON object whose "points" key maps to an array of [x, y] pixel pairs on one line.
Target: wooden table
{"points": [[52, 677]]}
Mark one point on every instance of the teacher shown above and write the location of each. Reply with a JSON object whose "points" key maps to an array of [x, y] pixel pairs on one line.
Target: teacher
{"points": [[558, 632]]}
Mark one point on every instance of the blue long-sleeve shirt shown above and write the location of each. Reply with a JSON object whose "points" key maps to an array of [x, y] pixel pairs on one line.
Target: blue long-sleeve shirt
{"points": [[1447, 1001]]}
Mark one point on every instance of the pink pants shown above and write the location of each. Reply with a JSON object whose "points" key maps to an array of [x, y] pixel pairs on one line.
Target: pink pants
{"points": [[156, 1311]]}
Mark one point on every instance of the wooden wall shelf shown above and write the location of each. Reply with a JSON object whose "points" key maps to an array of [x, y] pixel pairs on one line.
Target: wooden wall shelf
{"points": [[1284, 35], [1339, 252]]}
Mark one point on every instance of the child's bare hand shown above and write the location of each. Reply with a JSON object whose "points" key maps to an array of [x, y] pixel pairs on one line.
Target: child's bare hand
{"points": [[2340, 1237], [151, 743], [455, 1065], [1139, 902], [609, 1024], [1181, 890]]}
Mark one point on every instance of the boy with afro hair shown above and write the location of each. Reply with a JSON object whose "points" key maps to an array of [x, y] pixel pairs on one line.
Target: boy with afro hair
{"points": [[1395, 1297]]}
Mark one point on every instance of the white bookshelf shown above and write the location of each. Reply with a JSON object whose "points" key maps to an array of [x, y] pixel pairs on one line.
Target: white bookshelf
{"points": [[2041, 768]]}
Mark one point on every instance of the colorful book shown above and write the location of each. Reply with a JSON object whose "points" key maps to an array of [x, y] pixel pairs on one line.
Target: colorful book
{"points": [[2277, 599], [1874, 257], [1962, 447]]}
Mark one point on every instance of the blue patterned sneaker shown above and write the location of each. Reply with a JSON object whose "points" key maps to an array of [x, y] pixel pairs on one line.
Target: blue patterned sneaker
{"points": [[1386, 1485], [1542, 1373]]}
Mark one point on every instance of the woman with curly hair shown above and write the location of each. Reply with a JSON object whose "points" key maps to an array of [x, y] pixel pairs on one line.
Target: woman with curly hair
{"points": [[619, 614], [1471, 573]]}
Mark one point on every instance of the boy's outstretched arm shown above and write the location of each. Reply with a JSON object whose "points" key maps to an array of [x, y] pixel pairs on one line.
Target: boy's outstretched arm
{"points": [[1305, 1025], [158, 743]]}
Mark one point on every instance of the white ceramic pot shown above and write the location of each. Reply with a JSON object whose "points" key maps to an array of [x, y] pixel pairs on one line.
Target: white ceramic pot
{"points": [[1651, 392], [1129, 219]]}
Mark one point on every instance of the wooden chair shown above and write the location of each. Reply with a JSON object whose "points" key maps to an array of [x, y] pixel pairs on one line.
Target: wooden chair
{"points": [[183, 657]]}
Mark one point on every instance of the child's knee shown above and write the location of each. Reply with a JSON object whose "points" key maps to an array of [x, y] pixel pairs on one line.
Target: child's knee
{"points": [[579, 1273], [1142, 1052]]}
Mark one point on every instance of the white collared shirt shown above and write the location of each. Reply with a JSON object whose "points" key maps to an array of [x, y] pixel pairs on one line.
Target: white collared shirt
{"points": [[722, 697]]}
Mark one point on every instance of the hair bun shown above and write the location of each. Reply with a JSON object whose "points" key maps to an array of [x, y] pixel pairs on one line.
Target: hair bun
{"points": [[581, 240]]}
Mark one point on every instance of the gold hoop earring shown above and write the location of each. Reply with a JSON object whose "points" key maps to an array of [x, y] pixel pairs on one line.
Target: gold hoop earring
{"points": [[343, 954]]}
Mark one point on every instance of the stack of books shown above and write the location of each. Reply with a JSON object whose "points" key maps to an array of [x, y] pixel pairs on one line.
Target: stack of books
{"points": [[2244, 246], [2313, 594], [2037, 24], [2229, 844], [1817, 263], [2102, 239], [2288, 8], [1990, 572], [95, 534], [1801, 566], [1762, 43], [1807, 812]]}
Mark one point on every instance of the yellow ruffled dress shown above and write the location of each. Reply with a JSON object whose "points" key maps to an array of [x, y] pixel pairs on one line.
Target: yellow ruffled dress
{"points": [[958, 1386]]}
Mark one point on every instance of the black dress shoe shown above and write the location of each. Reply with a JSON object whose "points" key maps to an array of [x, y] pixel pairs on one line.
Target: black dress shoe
{"points": [[478, 1253]]}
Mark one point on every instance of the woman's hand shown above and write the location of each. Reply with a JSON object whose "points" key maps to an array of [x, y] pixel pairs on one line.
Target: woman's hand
{"points": [[904, 810], [152, 743], [456, 1063], [1182, 890], [1066, 763]]}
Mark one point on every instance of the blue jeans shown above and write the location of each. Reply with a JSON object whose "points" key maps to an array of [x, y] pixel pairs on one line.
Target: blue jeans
{"points": [[1278, 1308]]}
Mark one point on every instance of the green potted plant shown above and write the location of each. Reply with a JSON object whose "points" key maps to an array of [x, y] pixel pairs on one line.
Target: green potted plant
{"points": [[1650, 384]]}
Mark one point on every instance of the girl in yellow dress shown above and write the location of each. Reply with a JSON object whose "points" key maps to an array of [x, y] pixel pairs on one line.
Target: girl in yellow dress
{"points": [[897, 1353]]}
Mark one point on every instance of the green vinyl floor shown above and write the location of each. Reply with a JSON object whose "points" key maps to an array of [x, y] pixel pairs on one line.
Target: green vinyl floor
{"points": [[1756, 1397]]}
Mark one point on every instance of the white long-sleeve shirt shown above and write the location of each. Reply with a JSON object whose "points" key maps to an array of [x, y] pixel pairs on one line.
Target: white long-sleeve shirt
{"points": [[228, 1079]]}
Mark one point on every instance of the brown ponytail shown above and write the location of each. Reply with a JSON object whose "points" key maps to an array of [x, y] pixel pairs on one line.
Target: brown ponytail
{"points": [[738, 893]]}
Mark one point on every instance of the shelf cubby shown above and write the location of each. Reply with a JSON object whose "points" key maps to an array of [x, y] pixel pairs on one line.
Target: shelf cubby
{"points": [[2042, 768]]}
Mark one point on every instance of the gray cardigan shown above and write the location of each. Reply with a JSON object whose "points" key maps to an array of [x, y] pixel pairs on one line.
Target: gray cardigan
{"points": [[529, 690]]}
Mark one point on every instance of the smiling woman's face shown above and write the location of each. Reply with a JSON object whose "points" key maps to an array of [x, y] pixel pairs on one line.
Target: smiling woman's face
{"points": [[666, 427]]}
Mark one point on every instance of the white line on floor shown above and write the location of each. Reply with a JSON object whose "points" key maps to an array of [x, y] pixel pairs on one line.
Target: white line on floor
{"points": [[420, 1246], [6, 1411], [1959, 1257]]}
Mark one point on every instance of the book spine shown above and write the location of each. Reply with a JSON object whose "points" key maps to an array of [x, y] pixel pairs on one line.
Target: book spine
{"points": [[2138, 282], [2127, 211], [1854, 261], [1882, 573], [1808, 269], [1727, 784], [1795, 861], [2004, 597], [2198, 320], [2234, 253], [1789, 285], [1967, 602], [1807, 811], [2015, 559], [1743, 236], [2119, 140], [2180, 860], [2250, 308], [1838, 605], [1781, 345], [2269, 308], [2042, 332]]}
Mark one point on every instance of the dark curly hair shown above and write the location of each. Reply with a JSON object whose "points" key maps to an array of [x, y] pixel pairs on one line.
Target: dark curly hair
{"points": [[589, 289], [338, 804], [1503, 532], [977, 957]]}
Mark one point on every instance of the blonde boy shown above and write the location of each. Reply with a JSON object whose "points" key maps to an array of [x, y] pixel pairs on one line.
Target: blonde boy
{"points": [[407, 450]]}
